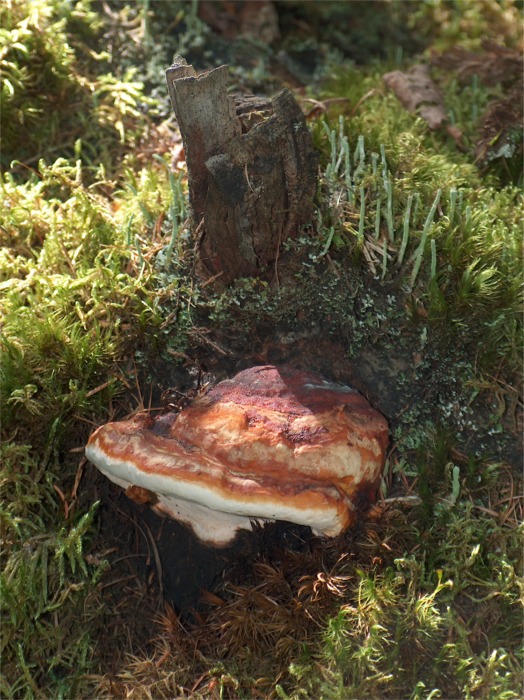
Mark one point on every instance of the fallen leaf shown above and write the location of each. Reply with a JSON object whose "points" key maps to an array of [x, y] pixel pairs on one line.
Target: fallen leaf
{"points": [[418, 93]]}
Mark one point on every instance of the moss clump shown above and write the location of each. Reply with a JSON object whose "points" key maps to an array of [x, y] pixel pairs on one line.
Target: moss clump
{"points": [[45, 583], [59, 91]]}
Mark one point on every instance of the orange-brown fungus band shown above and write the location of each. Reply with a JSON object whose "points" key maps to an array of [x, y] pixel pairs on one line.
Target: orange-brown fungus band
{"points": [[272, 443]]}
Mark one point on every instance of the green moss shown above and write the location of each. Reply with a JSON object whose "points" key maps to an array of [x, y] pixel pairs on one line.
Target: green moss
{"points": [[48, 65], [410, 628], [45, 582], [446, 24]]}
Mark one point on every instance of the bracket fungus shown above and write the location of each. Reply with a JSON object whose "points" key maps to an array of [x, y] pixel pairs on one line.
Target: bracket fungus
{"points": [[273, 443]]}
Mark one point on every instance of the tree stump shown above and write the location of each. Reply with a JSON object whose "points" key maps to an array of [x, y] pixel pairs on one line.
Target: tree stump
{"points": [[252, 170]]}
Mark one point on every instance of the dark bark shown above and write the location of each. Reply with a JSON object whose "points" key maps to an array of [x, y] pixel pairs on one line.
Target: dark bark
{"points": [[252, 170]]}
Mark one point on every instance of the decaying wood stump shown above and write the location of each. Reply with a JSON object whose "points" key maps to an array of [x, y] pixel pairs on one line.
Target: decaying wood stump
{"points": [[252, 170]]}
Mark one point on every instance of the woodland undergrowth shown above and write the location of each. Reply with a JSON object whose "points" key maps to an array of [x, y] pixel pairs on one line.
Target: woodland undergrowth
{"points": [[415, 252]]}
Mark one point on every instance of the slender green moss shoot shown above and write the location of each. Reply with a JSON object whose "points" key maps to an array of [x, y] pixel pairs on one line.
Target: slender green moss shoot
{"points": [[128, 229], [419, 253], [359, 158], [384, 257], [347, 175], [385, 176], [452, 204], [377, 218], [329, 240], [331, 134], [433, 272], [405, 230], [361, 221], [140, 256], [389, 211], [374, 163]]}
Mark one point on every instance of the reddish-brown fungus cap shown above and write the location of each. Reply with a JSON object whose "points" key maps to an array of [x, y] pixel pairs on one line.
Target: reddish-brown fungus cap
{"points": [[271, 443]]}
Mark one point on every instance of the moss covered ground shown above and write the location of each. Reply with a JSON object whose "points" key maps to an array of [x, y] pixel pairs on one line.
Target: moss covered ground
{"points": [[407, 284]]}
